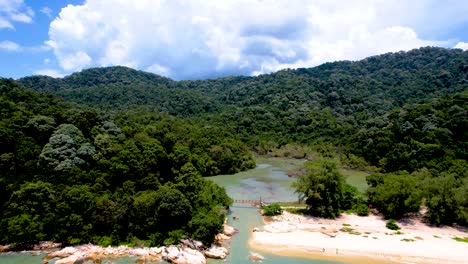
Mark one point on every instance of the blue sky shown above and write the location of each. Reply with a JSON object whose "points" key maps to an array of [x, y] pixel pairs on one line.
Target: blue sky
{"points": [[193, 39]]}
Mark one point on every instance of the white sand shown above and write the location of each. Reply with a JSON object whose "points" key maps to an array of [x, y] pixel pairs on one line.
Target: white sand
{"points": [[295, 235]]}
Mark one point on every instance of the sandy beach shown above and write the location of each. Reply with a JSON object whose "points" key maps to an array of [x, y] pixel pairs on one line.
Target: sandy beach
{"points": [[356, 239]]}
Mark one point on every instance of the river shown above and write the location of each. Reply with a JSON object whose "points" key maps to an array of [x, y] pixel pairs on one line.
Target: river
{"points": [[268, 181]]}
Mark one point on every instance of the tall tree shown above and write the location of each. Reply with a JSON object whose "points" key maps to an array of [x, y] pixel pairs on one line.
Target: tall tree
{"points": [[322, 188]]}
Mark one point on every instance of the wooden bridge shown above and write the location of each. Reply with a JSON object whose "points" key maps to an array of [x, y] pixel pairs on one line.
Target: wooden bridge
{"points": [[261, 202]]}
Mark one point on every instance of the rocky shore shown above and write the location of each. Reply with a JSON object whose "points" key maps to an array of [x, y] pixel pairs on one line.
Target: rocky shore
{"points": [[188, 252]]}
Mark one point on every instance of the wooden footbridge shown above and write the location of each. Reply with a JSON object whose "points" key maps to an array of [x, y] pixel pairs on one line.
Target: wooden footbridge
{"points": [[260, 202]]}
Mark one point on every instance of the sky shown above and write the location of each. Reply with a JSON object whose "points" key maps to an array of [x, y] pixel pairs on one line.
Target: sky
{"points": [[197, 39]]}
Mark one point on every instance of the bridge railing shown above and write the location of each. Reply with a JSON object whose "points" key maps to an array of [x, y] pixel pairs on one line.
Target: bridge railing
{"points": [[256, 202]]}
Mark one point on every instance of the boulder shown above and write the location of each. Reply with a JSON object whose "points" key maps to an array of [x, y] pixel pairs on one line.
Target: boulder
{"points": [[192, 243], [229, 230], [216, 252], [71, 260], [64, 253], [221, 237], [256, 257], [5, 248], [175, 255], [47, 245]]}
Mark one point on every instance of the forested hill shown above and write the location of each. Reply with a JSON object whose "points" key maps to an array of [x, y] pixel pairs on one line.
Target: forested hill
{"points": [[118, 88], [134, 174], [368, 87], [80, 176], [347, 104]]}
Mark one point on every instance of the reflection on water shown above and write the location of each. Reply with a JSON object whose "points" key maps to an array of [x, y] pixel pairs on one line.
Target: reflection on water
{"points": [[265, 181]]}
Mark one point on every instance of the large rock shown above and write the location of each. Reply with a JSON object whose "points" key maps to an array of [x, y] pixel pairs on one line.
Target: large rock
{"points": [[216, 252], [229, 230], [192, 243], [64, 253], [5, 248], [221, 237], [71, 260], [256, 257], [47, 245], [175, 255]]}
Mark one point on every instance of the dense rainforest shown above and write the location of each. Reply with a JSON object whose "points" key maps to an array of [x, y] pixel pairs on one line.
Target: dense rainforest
{"points": [[121, 155], [80, 175]]}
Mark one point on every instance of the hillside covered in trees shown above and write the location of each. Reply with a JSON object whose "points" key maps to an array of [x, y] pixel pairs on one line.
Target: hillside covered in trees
{"points": [[80, 176], [135, 145]]}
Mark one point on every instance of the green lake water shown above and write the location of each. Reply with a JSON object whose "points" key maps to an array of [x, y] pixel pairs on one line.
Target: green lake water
{"points": [[271, 184], [267, 181]]}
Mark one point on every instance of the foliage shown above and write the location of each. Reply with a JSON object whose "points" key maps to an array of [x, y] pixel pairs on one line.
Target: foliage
{"points": [[459, 239], [392, 225], [322, 188], [125, 161], [362, 209], [272, 210], [394, 195], [68, 174]]}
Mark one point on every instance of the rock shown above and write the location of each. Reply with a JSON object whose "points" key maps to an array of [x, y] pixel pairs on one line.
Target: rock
{"points": [[64, 253], [47, 245], [229, 230], [5, 248], [192, 243], [256, 229], [256, 257], [193, 256], [70, 260], [175, 255], [221, 237], [216, 252]]}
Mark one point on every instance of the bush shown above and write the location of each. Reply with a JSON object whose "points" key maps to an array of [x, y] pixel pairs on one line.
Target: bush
{"points": [[362, 210], [272, 210], [391, 224]]}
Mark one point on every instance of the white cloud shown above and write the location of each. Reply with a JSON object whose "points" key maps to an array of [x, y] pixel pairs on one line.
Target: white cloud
{"points": [[75, 61], [9, 46], [158, 69], [46, 11], [196, 39], [461, 45], [14, 11], [49, 72]]}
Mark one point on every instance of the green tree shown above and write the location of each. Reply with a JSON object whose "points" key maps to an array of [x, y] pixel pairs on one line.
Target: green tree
{"points": [[322, 188], [396, 196], [31, 213]]}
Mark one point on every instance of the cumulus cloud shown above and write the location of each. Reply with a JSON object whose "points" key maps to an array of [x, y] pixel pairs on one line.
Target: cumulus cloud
{"points": [[186, 39], [46, 11], [49, 72], [9, 46], [462, 45], [14, 11]]}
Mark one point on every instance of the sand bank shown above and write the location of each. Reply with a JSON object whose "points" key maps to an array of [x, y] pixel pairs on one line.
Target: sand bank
{"points": [[351, 238]]}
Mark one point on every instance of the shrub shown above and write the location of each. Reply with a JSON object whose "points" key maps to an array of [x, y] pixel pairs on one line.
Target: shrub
{"points": [[391, 224], [362, 210], [272, 210]]}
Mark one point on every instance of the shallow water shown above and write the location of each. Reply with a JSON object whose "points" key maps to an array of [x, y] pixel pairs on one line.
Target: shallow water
{"points": [[266, 181], [271, 184]]}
